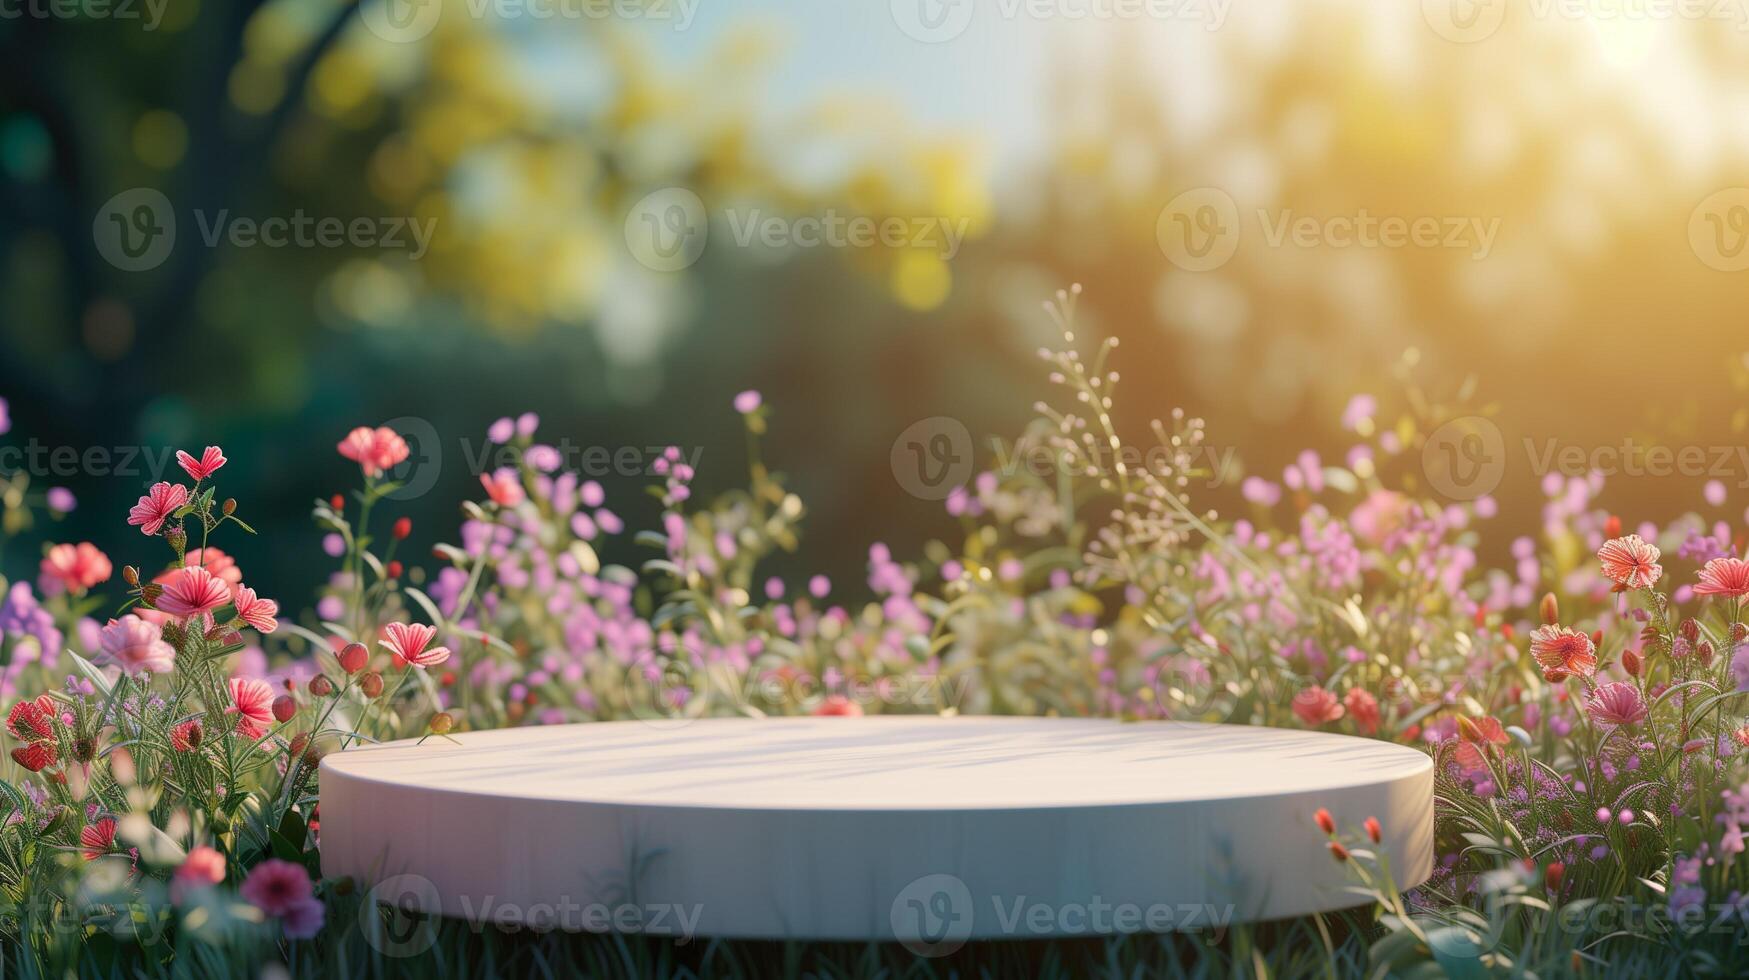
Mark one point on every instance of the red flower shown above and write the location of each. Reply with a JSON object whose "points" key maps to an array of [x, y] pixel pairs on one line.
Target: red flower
{"points": [[1325, 822], [1630, 562], [37, 756], [1724, 576], [1552, 875], [1374, 829], [403, 527], [157, 506], [33, 721], [408, 642], [76, 568], [1364, 709], [1316, 706], [185, 737], [1557, 648], [253, 700], [200, 469], [192, 592], [98, 838], [503, 487]]}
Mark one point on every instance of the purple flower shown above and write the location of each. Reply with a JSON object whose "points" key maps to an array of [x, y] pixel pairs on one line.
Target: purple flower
{"points": [[60, 499]]}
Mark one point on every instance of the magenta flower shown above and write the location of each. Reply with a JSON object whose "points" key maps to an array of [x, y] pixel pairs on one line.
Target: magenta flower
{"points": [[136, 646], [191, 592], [1724, 576], [204, 467], [1616, 703], [276, 886], [157, 506], [748, 402], [255, 611]]}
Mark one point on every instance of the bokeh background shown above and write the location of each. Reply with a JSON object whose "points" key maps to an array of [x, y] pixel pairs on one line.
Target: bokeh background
{"points": [[1605, 142]]}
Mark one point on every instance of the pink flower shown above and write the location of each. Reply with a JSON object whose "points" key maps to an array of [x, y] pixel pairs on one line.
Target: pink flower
{"points": [[202, 868], [1364, 709], [275, 886], [1616, 703], [1724, 576], [136, 646], [252, 699], [156, 507], [97, 839], [1630, 562], [208, 463], [374, 450], [1316, 706], [191, 592], [256, 612], [748, 402], [1563, 649], [503, 487], [408, 643], [75, 568]]}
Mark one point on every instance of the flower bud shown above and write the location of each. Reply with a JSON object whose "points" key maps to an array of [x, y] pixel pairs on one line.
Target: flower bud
{"points": [[1374, 830], [1551, 609], [394, 569], [371, 684], [299, 742], [1630, 662], [321, 686], [230, 506], [1597, 638], [1706, 653], [442, 722], [151, 592], [403, 528], [353, 657], [84, 750], [284, 708], [1690, 630], [178, 539], [1552, 875], [1612, 527], [337, 503], [1739, 633], [1325, 822], [1338, 852], [131, 576]]}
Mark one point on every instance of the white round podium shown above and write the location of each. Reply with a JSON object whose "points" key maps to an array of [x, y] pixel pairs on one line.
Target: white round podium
{"points": [[928, 830]]}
